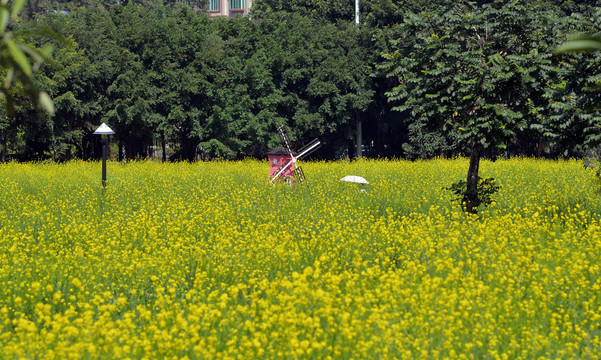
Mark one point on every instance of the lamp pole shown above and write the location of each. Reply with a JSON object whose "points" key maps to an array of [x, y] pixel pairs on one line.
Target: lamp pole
{"points": [[104, 140], [104, 131]]}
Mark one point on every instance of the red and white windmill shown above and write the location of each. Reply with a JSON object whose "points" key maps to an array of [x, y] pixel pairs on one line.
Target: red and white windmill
{"points": [[283, 160]]}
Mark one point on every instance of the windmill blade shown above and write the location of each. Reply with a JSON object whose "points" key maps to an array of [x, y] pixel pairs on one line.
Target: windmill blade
{"points": [[282, 132], [309, 148], [300, 175]]}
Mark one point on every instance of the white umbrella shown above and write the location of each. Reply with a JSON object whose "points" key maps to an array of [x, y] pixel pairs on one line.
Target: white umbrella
{"points": [[354, 179]]}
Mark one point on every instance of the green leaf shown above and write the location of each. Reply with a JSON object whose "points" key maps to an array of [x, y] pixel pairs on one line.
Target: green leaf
{"points": [[45, 102], [47, 50], [18, 56], [17, 7], [3, 19], [38, 56], [9, 78], [579, 46]]}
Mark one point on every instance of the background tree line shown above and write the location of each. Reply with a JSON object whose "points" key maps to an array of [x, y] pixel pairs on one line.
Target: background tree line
{"points": [[425, 78]]}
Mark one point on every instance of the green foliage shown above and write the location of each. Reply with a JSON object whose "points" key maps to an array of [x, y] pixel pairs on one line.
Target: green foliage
{"points": [[592, 158], [373, 13], [472, 75], [458, 76], [486, 189], [574, 123], [216, 87], [19, 60]]}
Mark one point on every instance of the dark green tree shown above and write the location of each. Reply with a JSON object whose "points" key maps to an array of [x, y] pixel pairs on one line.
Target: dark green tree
{"points": [[575, 122], [19, 61], [473, 78]]}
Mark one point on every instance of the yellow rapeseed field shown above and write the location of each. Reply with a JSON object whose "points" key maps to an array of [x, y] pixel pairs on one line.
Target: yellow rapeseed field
{"points": [[208, 261]]}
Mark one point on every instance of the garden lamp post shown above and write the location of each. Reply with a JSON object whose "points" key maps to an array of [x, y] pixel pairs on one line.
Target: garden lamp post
{"points": [[104, 131]]}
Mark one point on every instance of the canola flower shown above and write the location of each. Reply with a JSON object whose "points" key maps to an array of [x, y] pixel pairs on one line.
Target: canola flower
{"points": [[208, 261]]}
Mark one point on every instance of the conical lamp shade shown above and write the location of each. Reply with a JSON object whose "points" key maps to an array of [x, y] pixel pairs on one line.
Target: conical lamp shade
{"points": [[104, 130]]}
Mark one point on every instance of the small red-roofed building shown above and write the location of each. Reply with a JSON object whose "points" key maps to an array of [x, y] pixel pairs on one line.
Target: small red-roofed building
{"points": [[278, 159]]}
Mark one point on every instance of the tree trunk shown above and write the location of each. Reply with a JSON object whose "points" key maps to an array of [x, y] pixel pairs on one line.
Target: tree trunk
{"points": [[350, 147], [470, 201]]}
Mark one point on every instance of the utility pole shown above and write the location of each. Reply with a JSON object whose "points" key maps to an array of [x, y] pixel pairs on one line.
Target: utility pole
{"points": [[359, 133]]}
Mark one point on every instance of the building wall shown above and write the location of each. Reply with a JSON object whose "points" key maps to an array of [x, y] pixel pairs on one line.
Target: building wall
{"points": [[229, 8]]}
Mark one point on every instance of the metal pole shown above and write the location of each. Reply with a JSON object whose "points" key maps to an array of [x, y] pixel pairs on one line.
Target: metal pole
{"points": [[359, 138], [104, 141], [359, 133]]}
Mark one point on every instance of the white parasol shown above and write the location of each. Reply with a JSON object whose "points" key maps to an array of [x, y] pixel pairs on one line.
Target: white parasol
{"points": [[354, 179]]}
